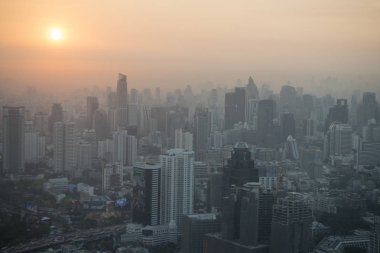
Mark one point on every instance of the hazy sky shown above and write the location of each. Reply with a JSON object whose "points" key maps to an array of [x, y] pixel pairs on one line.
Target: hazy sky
{"points": [[180, 42]]}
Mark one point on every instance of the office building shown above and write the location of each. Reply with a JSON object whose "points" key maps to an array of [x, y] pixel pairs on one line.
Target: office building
{"points": [[122, 102], [177, 183], [265, 127], [13, 139], [56, 115], [288, 99], [91, 106], [340, 139], [146, 194], [183, 139], [291, 224], [202, 123], [235, 105], [112, 176], [124, 148], [195, 226], [64, 146], [368, 109], [338, 113], [251, 89], [288, 125], [240, 168]]}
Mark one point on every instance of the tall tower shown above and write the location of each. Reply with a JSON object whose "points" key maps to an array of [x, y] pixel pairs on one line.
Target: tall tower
{"points": [[266, 109], [201, 133], [337, 113], [64, 146], [92, 106], [146, 194], [291, 224], [177, 183], [56, 115], [288, 98], [124, 148], [14, 139], [235, 105], [122, 101], [240, 168]]}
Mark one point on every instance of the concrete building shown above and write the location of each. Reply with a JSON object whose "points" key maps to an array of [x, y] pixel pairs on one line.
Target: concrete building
{"points": [[13, 139], [64, 147], [177, 183], [146, 194], [195, 227], [291, 225], [112, 176]]}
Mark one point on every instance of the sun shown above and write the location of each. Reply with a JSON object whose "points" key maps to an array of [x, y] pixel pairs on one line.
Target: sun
{"points": [[56, 34]]}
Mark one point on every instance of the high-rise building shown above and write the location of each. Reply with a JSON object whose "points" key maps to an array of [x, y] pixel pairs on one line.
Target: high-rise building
{"points": [[32, 143], [13, 139], [177, 183], [112, 176], [338, 113], [240, 168], [100, 124], [92, 106], [291, 224], [146, 194], [41, 123], [235, 105], [122, 101], [245, 221], [252, 113], [288, 99], [84, 155], [64, 146], [340, 139], [125, 148], [288, 125], [195, 226], [368, 109], [265, 118], [202, 122], [251, 89], [183, 140], [308, 127], [374, 240], [56, 115]]}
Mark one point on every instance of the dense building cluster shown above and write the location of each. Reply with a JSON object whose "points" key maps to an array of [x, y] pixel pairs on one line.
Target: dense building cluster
{"points": [[225, 170]]}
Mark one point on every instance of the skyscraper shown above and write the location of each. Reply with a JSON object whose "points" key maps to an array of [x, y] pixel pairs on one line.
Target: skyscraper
{"points": [[340, 139], [235, 105], [202, 122], [125, 148], [195, 226], [288, 125], [56, 115], [291, 224], [92, 106], [122, 101], [240, 168], [368, 109], [288, 99], [251, 89], [338, 113], [177, 183], [64, 147], [146, 194], [265, 118], [13, 140]]}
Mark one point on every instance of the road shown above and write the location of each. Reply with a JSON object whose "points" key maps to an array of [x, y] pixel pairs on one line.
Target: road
{"points": [[83, 235]]}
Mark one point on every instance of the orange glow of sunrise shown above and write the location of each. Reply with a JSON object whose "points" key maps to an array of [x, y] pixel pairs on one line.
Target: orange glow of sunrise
{"points": [[56, 34]]}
